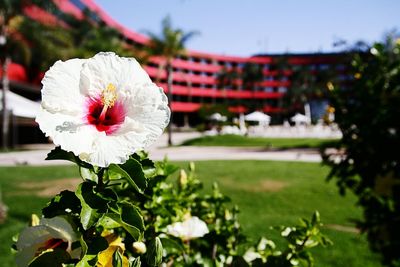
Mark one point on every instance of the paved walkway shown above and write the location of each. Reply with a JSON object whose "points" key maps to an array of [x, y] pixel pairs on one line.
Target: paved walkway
{"points": [[188, 153]]}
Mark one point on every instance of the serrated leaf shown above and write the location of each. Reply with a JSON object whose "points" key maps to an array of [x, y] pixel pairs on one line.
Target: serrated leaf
{"points": [[128, 217], [148, 166], [93, 203], [88, 215], [130, 214], [132, 171]]}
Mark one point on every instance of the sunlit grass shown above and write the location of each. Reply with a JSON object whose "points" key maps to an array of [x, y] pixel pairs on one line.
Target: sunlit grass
{"points": [[267, 193], [270, 143]]}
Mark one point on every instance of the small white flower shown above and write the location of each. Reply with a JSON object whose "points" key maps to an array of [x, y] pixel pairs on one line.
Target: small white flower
{"points": [[190, 228], [49, 234], [251, 255], [103, 109], [139, 247]]}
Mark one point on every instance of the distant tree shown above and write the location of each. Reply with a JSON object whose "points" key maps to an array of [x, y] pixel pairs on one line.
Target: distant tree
{"points": [[252, 75], [169, 45]]}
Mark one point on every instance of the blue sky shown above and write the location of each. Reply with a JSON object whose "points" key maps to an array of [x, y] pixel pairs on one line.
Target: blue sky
{"points": [[243, 28]]}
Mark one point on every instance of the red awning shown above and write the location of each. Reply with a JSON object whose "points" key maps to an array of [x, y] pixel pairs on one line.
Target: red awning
{"points": [[16, 73], [185, 107]]}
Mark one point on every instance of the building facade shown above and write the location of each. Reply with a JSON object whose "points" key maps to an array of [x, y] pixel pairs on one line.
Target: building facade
{"points": [[198, 76]]}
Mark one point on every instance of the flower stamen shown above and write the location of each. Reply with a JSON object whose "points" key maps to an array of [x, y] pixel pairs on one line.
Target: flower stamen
{"points": [[108, 98]]}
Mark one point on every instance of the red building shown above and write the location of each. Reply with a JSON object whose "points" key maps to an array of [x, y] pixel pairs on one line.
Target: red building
{"points": [[196, 75]]}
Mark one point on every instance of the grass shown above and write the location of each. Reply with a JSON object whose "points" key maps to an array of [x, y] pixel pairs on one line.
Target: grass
{"points": [[270, 143], [267, 193]]}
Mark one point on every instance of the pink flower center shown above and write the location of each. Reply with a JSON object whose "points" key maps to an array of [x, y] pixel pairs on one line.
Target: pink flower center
{"points": [[105, 112]]}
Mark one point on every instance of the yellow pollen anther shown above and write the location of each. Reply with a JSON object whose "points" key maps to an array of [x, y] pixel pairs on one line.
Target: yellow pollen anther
{"points": [[109, 96]]}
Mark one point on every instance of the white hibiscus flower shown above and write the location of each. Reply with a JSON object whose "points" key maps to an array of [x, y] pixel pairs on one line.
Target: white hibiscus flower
{"points": [[190, 228], [103, 109], [48, 234]]}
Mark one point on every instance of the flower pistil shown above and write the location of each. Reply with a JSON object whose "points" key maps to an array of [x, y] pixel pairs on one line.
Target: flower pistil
{"points": [[108, 98]]}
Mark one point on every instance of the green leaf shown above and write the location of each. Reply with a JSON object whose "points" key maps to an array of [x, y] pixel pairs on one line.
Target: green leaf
{"points": [[315, 218], [88, 214], [128, 217], [90, 249], [154, 252], [64, 203], [55, 257], [171, 245], [130, 214], [148, 165], [88, 174], [59, 154], [107, 221], [117, 259], [93, 203], [239, 261], [132, 171], [164, 168], [87, 260], [135, 263]]}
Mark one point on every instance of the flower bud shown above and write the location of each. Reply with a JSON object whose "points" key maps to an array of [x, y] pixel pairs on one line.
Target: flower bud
{"points": [[191, 166], [183, 178], [139, 247]]}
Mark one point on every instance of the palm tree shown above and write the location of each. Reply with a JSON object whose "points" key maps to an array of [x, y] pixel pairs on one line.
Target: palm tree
{"points": [[170, 44]]}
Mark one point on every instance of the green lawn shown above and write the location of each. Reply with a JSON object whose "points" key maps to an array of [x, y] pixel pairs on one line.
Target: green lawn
{"points": [[268, 194], [271, 143]]}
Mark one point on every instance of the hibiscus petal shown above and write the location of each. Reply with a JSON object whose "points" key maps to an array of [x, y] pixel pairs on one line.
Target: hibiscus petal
{"points": [[67, 131], [148, 106], [105, 68], [60, 92]]}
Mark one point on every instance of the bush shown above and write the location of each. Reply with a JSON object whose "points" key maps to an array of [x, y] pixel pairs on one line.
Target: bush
{"points": [[133, 214], [368, 114]]}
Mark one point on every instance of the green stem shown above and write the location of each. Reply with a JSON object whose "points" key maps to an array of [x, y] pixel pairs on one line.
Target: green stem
{"points": [[100, 182]]}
